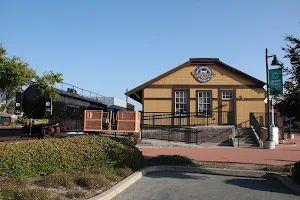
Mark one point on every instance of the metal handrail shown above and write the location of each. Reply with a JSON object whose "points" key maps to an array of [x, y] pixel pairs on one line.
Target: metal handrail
{"points": [[256, 125]]}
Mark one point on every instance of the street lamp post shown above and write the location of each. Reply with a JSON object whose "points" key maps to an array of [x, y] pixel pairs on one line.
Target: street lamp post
{"points": [[274, 63]]}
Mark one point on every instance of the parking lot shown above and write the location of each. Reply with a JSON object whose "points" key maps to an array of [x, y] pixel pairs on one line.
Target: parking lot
{"points": [[189, 186]]}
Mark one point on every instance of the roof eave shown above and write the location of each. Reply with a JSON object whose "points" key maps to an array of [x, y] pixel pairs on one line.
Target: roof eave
{"points": [[148, 83], [249, 76]]}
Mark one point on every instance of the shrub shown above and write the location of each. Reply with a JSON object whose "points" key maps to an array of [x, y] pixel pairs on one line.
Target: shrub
{"points": [[123, 172], [171, 160], [90, 181], [296, 172], [56, 180], [109, 173], [19, 193], [75, 194], [42, 157]]}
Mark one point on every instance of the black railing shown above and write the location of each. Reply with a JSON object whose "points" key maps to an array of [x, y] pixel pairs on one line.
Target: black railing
{"points": [[169, 119], [262, 117], [256, 125], [178, 134], [187, 127], [80, 91]]}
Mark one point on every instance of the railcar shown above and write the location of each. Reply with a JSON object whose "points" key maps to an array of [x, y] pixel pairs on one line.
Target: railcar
{"points": [[47, 117]]}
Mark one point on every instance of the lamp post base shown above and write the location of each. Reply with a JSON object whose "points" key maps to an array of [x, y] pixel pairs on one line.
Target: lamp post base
{"points": [[269, 145]]}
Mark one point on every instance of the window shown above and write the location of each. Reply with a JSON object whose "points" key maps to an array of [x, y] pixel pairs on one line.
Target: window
{"points": [[227, 96], [204, 103], [181, 102]]}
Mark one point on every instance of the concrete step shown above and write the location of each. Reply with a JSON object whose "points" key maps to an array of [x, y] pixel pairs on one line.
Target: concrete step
{"points": [[248, 145], [250, 139], [242, 144], [243, 132], [245, 137], [245, 140]]}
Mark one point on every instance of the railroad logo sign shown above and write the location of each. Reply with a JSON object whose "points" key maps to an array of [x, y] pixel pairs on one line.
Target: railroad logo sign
{"points": [[203, 74]]}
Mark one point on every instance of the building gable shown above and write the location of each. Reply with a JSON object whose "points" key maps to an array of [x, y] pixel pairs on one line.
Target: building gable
{"points": [[205, 74], [222, 74]]}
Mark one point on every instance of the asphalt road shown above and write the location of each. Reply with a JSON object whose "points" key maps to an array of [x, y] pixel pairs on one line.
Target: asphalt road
{"points": [[190, 186]]}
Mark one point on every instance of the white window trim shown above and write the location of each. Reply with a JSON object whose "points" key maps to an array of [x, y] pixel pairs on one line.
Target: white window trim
{"points": [[185, 98], [226, 95]]}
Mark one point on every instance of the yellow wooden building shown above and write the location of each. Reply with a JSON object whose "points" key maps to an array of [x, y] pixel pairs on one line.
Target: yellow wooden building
{"points": [[201, 91]]}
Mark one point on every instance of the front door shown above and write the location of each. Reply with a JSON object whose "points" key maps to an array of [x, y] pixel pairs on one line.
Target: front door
{"points": [[227, 114]]}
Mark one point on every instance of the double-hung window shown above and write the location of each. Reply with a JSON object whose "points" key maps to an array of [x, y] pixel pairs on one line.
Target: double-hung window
{"points": [[204, 103], [181, 102]]}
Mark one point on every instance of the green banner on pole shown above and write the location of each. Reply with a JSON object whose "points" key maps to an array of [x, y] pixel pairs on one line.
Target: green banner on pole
{"points": [[275, 81]]}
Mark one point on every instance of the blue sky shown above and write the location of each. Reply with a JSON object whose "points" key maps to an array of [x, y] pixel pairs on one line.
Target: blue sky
{"points": [[108, 46]]}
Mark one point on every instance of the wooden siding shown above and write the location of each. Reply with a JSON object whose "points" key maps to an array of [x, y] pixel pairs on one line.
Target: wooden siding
{"points": [[251, 93], [157, 106], [222, 77], [193, 92], [243, 111], [157, 93]]}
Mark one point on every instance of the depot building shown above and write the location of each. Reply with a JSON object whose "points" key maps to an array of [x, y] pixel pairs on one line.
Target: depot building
{"points": [[200, 91]]}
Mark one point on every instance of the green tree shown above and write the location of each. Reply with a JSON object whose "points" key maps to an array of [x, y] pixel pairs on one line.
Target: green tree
{"points": [[47, 82], [290, 103], [15, 73], [9, 107]]}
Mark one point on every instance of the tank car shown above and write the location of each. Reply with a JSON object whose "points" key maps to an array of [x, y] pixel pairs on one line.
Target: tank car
{"points": [[49, 117]]}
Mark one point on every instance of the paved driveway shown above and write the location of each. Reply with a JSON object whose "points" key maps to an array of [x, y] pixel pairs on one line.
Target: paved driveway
{"points": [[190, 186]]}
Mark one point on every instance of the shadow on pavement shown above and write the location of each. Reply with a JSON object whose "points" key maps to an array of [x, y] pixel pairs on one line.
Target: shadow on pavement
{"points": [[175, 175], [267, 185]]}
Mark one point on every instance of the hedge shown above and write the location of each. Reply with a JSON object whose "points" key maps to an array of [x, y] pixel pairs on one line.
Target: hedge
{"points": [[41, 157]]}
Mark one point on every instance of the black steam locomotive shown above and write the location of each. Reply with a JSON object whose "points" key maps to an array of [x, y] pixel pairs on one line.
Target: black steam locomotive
{"points": [[48, 117]]}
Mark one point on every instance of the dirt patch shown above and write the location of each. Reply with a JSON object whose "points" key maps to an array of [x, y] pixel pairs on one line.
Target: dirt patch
{"points": [[63, 185], [285, 169]]}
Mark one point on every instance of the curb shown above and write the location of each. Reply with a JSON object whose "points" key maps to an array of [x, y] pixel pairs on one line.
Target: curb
{"points": [[125, 183]]}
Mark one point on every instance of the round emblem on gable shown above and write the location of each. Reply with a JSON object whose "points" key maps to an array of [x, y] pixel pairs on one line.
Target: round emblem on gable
{"points": [[203, 74]]}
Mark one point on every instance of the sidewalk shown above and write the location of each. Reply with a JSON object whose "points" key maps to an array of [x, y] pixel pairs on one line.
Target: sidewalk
{"points": [[152, 143], [283, 154]]}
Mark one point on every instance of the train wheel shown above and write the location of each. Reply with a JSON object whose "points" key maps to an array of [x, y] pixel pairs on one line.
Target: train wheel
{"points": [[57, 129]]}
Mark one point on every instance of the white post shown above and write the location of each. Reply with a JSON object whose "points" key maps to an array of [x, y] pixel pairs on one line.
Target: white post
{"points": [[273, 125], [274, 130]]}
